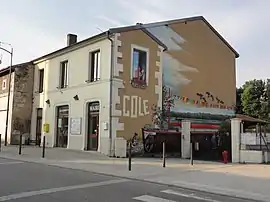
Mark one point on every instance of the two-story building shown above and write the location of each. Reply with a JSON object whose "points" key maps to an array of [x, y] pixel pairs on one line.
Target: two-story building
{"points": [[91, 92], [20, 101]]}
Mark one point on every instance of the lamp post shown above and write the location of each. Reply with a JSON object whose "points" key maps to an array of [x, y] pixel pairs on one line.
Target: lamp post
{"points": [[9, 88]]}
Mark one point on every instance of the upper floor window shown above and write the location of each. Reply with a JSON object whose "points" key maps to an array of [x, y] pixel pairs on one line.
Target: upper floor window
{"points": [[139, 73], [64, 74], [94, 66], [41, 80], [4, 84]]}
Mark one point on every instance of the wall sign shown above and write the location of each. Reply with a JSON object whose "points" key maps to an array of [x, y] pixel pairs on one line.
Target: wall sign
{"points": [[46, 128], [94, 107], [138, 107], [75, 126]]}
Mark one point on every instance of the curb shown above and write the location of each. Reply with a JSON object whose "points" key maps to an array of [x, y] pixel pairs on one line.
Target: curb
{"points": [[254, 197]]}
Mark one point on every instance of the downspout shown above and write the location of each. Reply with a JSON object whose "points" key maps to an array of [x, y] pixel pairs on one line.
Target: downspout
{"points": [[110, 98]]}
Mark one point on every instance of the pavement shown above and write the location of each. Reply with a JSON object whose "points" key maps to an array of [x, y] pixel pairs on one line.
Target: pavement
{"points": [[24, 181], [237, 180]]}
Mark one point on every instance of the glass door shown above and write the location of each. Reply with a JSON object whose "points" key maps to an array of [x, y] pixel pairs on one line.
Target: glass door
{"points": [[93, 132], [62, 127], [39, 126]]}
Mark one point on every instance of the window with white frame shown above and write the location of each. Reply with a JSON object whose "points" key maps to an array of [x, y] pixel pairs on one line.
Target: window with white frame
{"points": [[94, 70], [41, 80], [63, 74], [4, 84], [139, 69]]}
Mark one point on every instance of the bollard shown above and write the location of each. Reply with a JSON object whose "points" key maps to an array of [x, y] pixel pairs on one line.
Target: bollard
{"points": [[20, 145], [0, 141], [129, 157], [43, 147], [191, 154], [163, 155]]}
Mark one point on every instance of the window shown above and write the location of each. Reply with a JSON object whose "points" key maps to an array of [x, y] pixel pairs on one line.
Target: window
{"points": [[64, 74], [139, 67], [4, 84], [41, 81], [94, 66]]}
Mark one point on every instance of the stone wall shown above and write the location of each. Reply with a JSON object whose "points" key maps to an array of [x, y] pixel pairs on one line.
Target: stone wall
{"points": [[22, 102]]}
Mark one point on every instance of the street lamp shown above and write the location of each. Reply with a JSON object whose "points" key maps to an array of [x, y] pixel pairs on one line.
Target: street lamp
{"points": [[9, 82]]}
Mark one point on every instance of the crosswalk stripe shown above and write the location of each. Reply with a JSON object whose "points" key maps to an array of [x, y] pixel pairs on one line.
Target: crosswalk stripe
{"points": [[147, 198], [10, 162], [188, 195]]}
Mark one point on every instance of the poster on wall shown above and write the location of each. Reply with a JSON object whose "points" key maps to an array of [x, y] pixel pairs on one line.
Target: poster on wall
{"points": [[75, 126]]}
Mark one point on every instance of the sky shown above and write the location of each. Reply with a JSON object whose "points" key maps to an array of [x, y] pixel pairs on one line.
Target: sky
{"points": [[37, 27]]}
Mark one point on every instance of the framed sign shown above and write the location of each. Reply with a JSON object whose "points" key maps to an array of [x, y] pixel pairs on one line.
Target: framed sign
{"points": [[75, 126], [94, 107]]}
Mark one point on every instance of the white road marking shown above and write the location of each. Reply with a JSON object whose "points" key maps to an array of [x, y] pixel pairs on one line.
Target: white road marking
{"points": [[147, 198], [189, 196], [12, 162], [59, 189]]}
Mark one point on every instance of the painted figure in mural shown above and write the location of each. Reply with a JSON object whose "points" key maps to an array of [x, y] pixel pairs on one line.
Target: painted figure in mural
{"points": [[139, 66], [141, 74], [134, 140]]}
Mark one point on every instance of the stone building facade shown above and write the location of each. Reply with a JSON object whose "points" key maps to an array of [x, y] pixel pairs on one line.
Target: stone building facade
{"points": [[20, 102]]}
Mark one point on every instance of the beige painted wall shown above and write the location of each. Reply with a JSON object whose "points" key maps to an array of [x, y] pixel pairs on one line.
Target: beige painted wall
{"points": [[203, 51], [214, 61], [143, 99]]}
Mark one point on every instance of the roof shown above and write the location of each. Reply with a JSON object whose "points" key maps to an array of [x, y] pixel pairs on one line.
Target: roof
{"points": [[5, 70], [182, 20], [98, 36], [250, 119], [143, 28]]}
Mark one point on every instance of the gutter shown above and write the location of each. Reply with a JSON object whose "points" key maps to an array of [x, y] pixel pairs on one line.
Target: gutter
{"points": [[110, 98]]}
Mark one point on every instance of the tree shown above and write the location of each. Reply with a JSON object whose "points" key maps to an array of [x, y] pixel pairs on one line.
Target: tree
{"points": [[266, 103], [239, 106], [161, 115], [254, 99]]}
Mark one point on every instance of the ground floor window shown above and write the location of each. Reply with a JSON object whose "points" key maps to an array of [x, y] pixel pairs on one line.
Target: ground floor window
{"points": [[62, 126]]}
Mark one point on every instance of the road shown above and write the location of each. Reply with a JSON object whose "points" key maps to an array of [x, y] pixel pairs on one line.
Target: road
{"points": [[22, 181]]}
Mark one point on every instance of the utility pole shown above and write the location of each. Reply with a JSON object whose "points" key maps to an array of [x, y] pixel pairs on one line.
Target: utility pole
{"points": [[9, 87]]}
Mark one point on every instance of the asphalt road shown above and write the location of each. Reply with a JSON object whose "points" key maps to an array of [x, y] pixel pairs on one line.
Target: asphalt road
{"points": [[21, 182]]}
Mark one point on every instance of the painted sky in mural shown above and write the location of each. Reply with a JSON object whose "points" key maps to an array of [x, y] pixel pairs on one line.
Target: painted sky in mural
{"points": [[173, 70]]}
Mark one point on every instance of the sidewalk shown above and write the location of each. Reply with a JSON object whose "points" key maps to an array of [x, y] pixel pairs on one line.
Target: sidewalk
{"points": [[245, 181]]}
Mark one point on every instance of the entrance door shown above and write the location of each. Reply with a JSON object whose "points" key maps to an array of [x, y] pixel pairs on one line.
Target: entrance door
{"points": [[62, 126], [93, 126], [39, 126]]}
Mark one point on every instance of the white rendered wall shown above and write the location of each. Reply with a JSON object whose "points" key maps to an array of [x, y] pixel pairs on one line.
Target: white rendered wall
{"points": [[248, 156], [185, 147], [78, 67], [235, 133]]}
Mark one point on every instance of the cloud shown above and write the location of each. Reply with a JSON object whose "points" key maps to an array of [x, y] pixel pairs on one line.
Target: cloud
{"points": [[110, 21]]}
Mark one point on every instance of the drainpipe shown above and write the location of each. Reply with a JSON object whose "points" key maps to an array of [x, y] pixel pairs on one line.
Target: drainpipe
{"points": [[110, 98]]}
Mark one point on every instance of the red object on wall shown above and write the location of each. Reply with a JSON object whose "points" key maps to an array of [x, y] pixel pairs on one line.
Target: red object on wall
{"points": [[198, 125]]}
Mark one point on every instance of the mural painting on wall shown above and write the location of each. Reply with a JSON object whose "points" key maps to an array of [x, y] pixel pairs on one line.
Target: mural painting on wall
{"points": [[139, 70], [175, 80], [137, 147]]}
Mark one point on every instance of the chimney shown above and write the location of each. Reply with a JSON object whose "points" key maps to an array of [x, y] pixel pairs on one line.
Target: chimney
{"points": [[71, 39]]}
